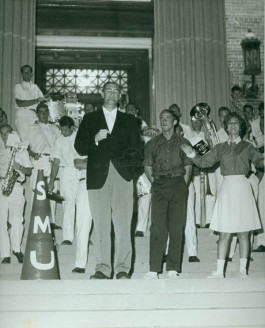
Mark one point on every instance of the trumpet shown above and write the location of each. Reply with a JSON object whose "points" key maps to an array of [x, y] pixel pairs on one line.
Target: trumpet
{"points": [[201, 112]]}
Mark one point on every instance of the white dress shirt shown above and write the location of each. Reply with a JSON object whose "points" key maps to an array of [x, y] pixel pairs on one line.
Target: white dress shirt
{"points": [[110, 117]]}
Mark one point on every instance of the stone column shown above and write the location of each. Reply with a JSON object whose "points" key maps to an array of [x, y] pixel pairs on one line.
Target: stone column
{"points": [[190, 62], [17, 39]]}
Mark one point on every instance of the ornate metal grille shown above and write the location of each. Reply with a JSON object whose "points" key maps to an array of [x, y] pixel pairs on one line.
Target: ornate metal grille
{"points": [[87, 81]]}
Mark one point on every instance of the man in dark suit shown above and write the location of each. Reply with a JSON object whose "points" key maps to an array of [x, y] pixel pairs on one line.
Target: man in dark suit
{"points": [[111, 141]]}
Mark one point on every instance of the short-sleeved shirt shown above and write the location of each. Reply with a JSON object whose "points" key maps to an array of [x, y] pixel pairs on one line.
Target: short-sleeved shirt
{"points": [[235, 158], [27, 91], [64, 150], [165, 156], [42, 137]]}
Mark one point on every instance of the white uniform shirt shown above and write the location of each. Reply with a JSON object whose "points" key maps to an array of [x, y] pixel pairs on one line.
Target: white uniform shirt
{"points": [[64, 150], [27, 91], [42, 137], [186, 129], [193, 136]]}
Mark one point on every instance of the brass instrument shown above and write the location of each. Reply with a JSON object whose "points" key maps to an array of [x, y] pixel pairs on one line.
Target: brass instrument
{"points": [[11, 175], [201, 112]]}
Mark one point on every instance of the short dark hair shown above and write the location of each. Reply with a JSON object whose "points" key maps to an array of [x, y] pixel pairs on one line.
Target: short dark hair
{"points": [[248, 105], [236, 87], [174, 106], [42, 105], [170, 111], [222, 109], [242, 123], [66, 121], [26, 66], [109, 82]]}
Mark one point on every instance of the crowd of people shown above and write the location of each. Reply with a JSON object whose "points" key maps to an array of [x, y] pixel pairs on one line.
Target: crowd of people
{"points": [[114, 160]]}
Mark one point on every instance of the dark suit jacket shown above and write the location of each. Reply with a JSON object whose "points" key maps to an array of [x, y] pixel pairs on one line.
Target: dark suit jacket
{"points": [[122, 147]]}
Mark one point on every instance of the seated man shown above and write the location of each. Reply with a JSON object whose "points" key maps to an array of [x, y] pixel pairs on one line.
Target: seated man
{"points": [[14, 165]]}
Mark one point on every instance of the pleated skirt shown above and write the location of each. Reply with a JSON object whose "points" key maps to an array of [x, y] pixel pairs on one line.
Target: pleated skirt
{"points": [[235, 208]]}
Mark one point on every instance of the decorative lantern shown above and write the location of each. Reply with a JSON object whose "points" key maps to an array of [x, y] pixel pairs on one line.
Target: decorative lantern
{"points": [[252, 64]]}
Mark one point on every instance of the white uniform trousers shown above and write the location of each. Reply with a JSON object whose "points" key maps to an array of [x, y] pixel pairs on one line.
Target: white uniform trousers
{"points": [[260, 239], [68, 187], [209, 199], [11, 209], [83, 225], [190, 229], [144, 207]]}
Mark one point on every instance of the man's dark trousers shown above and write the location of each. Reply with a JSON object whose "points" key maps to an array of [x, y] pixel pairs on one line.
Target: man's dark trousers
{"points": [[169, 207]]}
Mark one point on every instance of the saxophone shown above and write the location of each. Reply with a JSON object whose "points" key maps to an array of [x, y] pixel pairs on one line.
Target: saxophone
{"points": [[11, 175]]}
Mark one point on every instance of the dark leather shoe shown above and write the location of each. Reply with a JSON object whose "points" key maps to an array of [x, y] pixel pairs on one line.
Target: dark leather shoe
{"points": [[193, 259], [207, 226], [6, 260], [99, 275], [66, 242], [260, 249], [139, 234], [197, 226], [78, 270], [54, 226], [19, 256], [123, 275]]}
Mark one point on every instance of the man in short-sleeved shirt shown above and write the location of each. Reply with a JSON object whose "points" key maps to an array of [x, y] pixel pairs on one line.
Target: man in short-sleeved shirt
{"points": [[166, 166], [27, 95], [12, 205]]}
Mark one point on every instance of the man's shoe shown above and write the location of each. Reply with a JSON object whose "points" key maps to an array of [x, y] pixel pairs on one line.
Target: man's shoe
{"points": [[54, 226], [151, 275], [99, 275], [197, 225], [194, 259], [260, 249], [19, 256], [172, 274], [123, 275], [216, 275], [78, 270], [207, 226], [139, 234], [6, 260], [66, 242]]}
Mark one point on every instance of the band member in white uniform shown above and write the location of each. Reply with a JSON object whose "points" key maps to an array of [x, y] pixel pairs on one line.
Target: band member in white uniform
{"points": [[12, 205], [83, 218], [64, 155], [41, 138], [27, 95]]}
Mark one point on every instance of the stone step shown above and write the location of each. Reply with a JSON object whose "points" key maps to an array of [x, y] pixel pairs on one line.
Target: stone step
{"points": [[141, 303]]}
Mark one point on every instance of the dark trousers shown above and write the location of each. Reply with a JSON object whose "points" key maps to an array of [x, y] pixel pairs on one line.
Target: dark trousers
{"points": [[168, 216]]}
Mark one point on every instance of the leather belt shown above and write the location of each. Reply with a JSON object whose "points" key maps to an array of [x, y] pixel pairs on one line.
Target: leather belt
{"points": [[167, 176], [82, 179]]}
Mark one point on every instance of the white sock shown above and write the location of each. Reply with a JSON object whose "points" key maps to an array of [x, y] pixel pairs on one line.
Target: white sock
{"points": [[243, 264], [220, 266]]}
